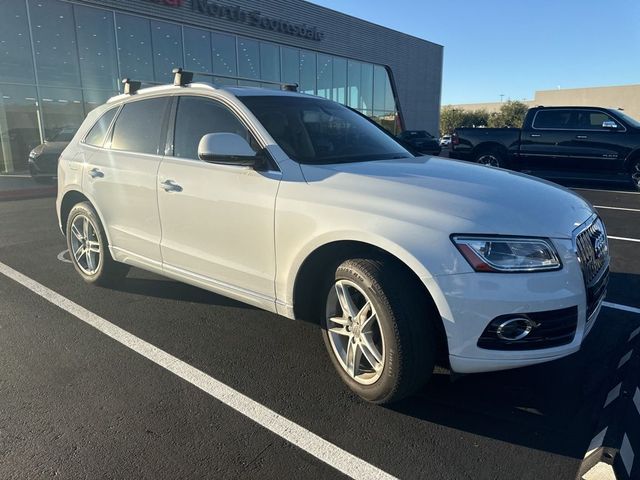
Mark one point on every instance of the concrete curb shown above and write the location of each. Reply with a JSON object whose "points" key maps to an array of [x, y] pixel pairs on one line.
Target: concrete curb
{"points": [[611, 454], [25, 193]]}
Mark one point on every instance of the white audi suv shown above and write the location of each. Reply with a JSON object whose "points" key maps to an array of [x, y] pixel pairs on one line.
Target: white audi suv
{"points": [[304, 207]]}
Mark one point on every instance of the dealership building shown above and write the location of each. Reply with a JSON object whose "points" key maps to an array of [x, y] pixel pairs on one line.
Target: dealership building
{"points": [[59, 59]]}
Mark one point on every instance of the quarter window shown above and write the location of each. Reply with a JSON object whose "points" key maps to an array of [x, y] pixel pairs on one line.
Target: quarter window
{"points": [[198, 116], [560, 119], [96, 135], [139, 126]]}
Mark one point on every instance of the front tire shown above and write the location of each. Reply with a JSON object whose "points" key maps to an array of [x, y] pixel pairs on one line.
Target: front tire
{"points": [[378, 330], [88, 248]]}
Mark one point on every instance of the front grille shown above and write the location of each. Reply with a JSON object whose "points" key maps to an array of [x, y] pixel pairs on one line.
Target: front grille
{"points": [[592, 249], [554, 328]]}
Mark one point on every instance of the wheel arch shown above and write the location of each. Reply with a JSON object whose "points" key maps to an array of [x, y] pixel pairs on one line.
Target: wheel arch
{"points": [[631, 159], [71, 198], [319, 262], [486, 146]]}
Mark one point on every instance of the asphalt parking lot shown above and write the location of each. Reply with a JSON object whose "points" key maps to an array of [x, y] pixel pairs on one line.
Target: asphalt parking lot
{"points": [[76, 403]]}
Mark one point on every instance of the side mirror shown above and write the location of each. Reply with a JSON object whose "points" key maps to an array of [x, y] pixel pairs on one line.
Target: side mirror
{"points": [[226, 149], [609, 124]]}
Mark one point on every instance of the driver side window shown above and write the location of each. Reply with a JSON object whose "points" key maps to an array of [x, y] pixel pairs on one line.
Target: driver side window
{"points": [[197, 116]]}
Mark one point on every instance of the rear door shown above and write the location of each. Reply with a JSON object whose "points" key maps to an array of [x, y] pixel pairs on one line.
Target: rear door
{"points": [[596, 149], [121, 178], [546, 145]]}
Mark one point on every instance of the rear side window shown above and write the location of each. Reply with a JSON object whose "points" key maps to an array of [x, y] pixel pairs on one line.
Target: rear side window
{"points": [[561, 119], [139, 126], [98, 132], [198, 116]]}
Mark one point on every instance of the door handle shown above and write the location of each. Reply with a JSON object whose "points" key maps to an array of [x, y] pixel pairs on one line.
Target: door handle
{"points": [[535, 135], [582, 137], [170, 186], [96, 173]]}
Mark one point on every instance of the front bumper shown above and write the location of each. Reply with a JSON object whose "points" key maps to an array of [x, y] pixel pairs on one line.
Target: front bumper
{"points": [[468, 302]]}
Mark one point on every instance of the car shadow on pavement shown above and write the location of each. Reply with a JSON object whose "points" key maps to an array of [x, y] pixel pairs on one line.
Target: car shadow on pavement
{"points": [[172, 290], [552, 407]]}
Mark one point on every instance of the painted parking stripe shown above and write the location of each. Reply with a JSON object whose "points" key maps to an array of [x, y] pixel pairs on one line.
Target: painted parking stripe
{"points": [[636, 399], [618, 208], [596, 442], [617, 306], [634, 334], [626, 452], [613, 394], [311, 443], [607, 191], [625, 359], [625, 239]]}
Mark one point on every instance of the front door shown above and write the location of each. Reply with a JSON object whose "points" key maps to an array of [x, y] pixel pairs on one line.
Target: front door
{"points": [[217, 220], [597, 149]]}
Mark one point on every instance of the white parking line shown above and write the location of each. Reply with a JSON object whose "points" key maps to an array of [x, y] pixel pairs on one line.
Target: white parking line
{"points": [[617, 306], [607, 191], [624, 238], [613, 394], [619, 208], [311, 443], [626, 452]]}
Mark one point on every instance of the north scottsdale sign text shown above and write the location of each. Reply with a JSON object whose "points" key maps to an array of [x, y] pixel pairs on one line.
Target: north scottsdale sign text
{"points": [[252, 18]]}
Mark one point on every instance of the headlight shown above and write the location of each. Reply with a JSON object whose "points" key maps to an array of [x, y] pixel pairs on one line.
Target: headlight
{"points": [[507, 254], [35, 153]]}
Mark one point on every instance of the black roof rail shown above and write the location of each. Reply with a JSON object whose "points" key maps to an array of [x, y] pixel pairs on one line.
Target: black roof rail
{"points": [[183, 77], [131, 86]]}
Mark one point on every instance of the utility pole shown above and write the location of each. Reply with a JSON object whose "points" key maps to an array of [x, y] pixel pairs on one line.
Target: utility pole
{"points": [[501, 97]]}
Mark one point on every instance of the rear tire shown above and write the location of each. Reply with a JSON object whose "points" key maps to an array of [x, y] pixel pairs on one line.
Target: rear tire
{"points": [[492, 157], [635, 174], [89, 249], [386, 351]]}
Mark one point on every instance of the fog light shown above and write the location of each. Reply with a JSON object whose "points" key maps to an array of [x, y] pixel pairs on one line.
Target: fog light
{"points": [[515, 328]]}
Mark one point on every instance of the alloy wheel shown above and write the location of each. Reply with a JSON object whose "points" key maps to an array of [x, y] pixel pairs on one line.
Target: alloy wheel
{"points": [[354, 332], [635, 175], [488, 159], [85, 244]]}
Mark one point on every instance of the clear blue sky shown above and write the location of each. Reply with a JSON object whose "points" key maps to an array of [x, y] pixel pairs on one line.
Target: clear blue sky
{"points": [[515, 47]]}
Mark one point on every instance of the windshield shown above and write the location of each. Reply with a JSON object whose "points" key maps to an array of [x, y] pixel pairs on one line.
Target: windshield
{"points": [[415, 134], [317, 131], [629, 120], [63, 136]]}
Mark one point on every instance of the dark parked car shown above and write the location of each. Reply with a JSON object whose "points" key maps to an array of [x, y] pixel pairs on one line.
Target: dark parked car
{"points": [[585, 143], [43, 160], [421, 141]]}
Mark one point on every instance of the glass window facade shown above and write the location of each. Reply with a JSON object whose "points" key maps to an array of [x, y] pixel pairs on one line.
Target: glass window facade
{"points": [[59, 60]]}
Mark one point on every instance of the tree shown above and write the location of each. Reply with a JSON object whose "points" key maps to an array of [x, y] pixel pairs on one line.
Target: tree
{"points": [[511, 114], [452, 117]]}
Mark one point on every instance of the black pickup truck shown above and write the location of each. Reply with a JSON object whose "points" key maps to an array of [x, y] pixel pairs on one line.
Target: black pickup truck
{"points": [[586, 143]]}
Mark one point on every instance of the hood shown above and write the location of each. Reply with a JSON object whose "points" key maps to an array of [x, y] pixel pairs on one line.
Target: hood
{"points": [[453, 196]]}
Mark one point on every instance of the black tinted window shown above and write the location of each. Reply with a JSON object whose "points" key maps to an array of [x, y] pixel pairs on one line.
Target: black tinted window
{"points": [[554, 119], [198, 116], [592, 119], [99, 131], [139, 125], [318, 131]]}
